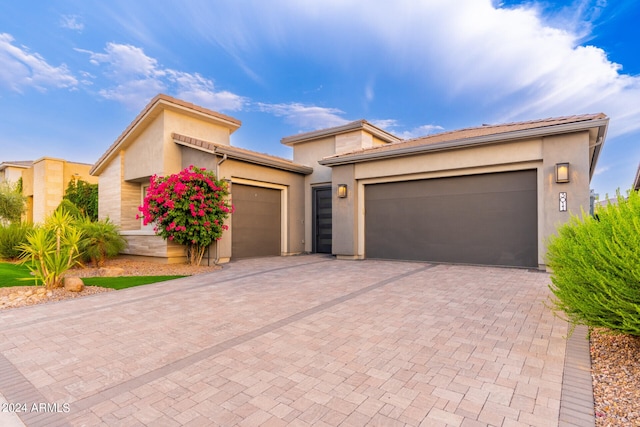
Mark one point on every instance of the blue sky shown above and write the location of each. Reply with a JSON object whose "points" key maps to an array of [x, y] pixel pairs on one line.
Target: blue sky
{"points": [[75, 73]]}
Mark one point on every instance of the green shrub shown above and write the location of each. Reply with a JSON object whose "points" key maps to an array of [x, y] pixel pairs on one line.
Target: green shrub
{"points": [[101, 240], [596, 268], [84, 196], [52, 249], [12, 202], [11, 237], [69, 207]]}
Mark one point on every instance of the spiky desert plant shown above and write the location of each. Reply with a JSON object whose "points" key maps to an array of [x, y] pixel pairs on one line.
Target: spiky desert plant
{"points": [[52, 249]]}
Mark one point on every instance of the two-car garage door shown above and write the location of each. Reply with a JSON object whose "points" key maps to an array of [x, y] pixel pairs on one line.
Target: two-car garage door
{"points": [[488, 219]]}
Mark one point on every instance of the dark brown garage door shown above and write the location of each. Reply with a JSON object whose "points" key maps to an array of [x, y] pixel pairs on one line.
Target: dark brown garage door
{"points": [[255, 221], [488, 219]]}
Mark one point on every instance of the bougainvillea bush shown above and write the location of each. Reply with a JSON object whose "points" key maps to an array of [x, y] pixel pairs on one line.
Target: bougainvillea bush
{"points": [[189, 208], [596, 267]]}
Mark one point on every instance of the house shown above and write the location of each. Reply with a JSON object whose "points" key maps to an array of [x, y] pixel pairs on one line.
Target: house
{"points": [[489, 195], [170, 135], [636, 182], [44, 182], [12, 171]]}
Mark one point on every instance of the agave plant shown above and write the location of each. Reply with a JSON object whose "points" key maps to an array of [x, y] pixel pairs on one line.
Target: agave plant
{"points": [[52, 249]]}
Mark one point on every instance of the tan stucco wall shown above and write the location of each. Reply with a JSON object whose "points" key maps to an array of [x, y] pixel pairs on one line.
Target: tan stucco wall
{"points": [[573, 148], [153, 150], [144, 156], [45, 183], [78, 171], [196, 128], [540, 153], [344, 212], [27, 182], [11, 174]]}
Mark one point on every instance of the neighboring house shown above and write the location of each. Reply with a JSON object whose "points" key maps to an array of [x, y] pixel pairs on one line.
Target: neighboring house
{"points": [[44, 182], [12, 171], [489, 195]]}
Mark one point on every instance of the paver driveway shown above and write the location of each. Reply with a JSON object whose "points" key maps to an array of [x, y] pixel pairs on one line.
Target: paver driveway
{"points": [[303, 340]]}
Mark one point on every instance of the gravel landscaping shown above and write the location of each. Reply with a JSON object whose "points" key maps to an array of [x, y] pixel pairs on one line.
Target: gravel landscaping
{"points": [[615, 368]]}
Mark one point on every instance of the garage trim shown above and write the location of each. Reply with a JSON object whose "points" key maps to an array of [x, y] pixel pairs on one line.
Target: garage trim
{"points": [[284, 214]]}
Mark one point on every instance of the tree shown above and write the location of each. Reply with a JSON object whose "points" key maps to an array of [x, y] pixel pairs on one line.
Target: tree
{"points": [[12, 202], [188, 208], [596, 267], [85, 196]]}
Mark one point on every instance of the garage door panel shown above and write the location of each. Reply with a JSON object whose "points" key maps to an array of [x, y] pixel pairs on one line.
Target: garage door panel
{"points": [[256, 221], [480, 219]]}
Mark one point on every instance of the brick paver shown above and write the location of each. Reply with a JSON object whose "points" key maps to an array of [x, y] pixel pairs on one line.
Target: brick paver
{"points": [[304, 340]]}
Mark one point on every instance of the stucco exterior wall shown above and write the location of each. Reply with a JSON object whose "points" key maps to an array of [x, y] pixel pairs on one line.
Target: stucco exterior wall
{"points": [[195, 127], [27, 182], [572, 148], [11, 174], [464, 158], [344, 212], [145, 156], [48, 187], [77, 171]]}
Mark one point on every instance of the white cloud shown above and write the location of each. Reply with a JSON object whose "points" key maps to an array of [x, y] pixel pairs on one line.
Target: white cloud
{"points": [[137, 77], [393, 126], [71, 22], [305, 117], [420, 131], [22, 69], [509, 63], [201, 91]]}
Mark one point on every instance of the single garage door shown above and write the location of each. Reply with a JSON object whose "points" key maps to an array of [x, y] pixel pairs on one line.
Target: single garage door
{"points": [[488, 219], [255, 221]]}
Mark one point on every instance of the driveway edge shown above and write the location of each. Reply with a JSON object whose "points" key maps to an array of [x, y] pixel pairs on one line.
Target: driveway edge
{"points": [[576, 403]]}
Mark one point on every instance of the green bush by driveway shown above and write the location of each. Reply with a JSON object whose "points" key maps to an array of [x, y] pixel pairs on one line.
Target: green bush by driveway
{"points": [[596, 268]]}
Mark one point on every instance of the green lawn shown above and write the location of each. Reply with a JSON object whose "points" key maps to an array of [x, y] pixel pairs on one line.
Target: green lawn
{"points": [[125, 281], [13, 275]]}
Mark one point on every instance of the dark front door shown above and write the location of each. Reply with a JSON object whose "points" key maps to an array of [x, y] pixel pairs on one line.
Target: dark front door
{"points": [[322, 220]]}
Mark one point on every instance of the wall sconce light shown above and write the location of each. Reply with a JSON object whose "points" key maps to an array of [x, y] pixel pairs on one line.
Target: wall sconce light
{"points": [[342, 190], [562, 172]]}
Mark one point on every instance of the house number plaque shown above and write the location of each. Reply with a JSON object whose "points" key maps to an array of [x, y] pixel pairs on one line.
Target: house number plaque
{"points": [[563, 202]]}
